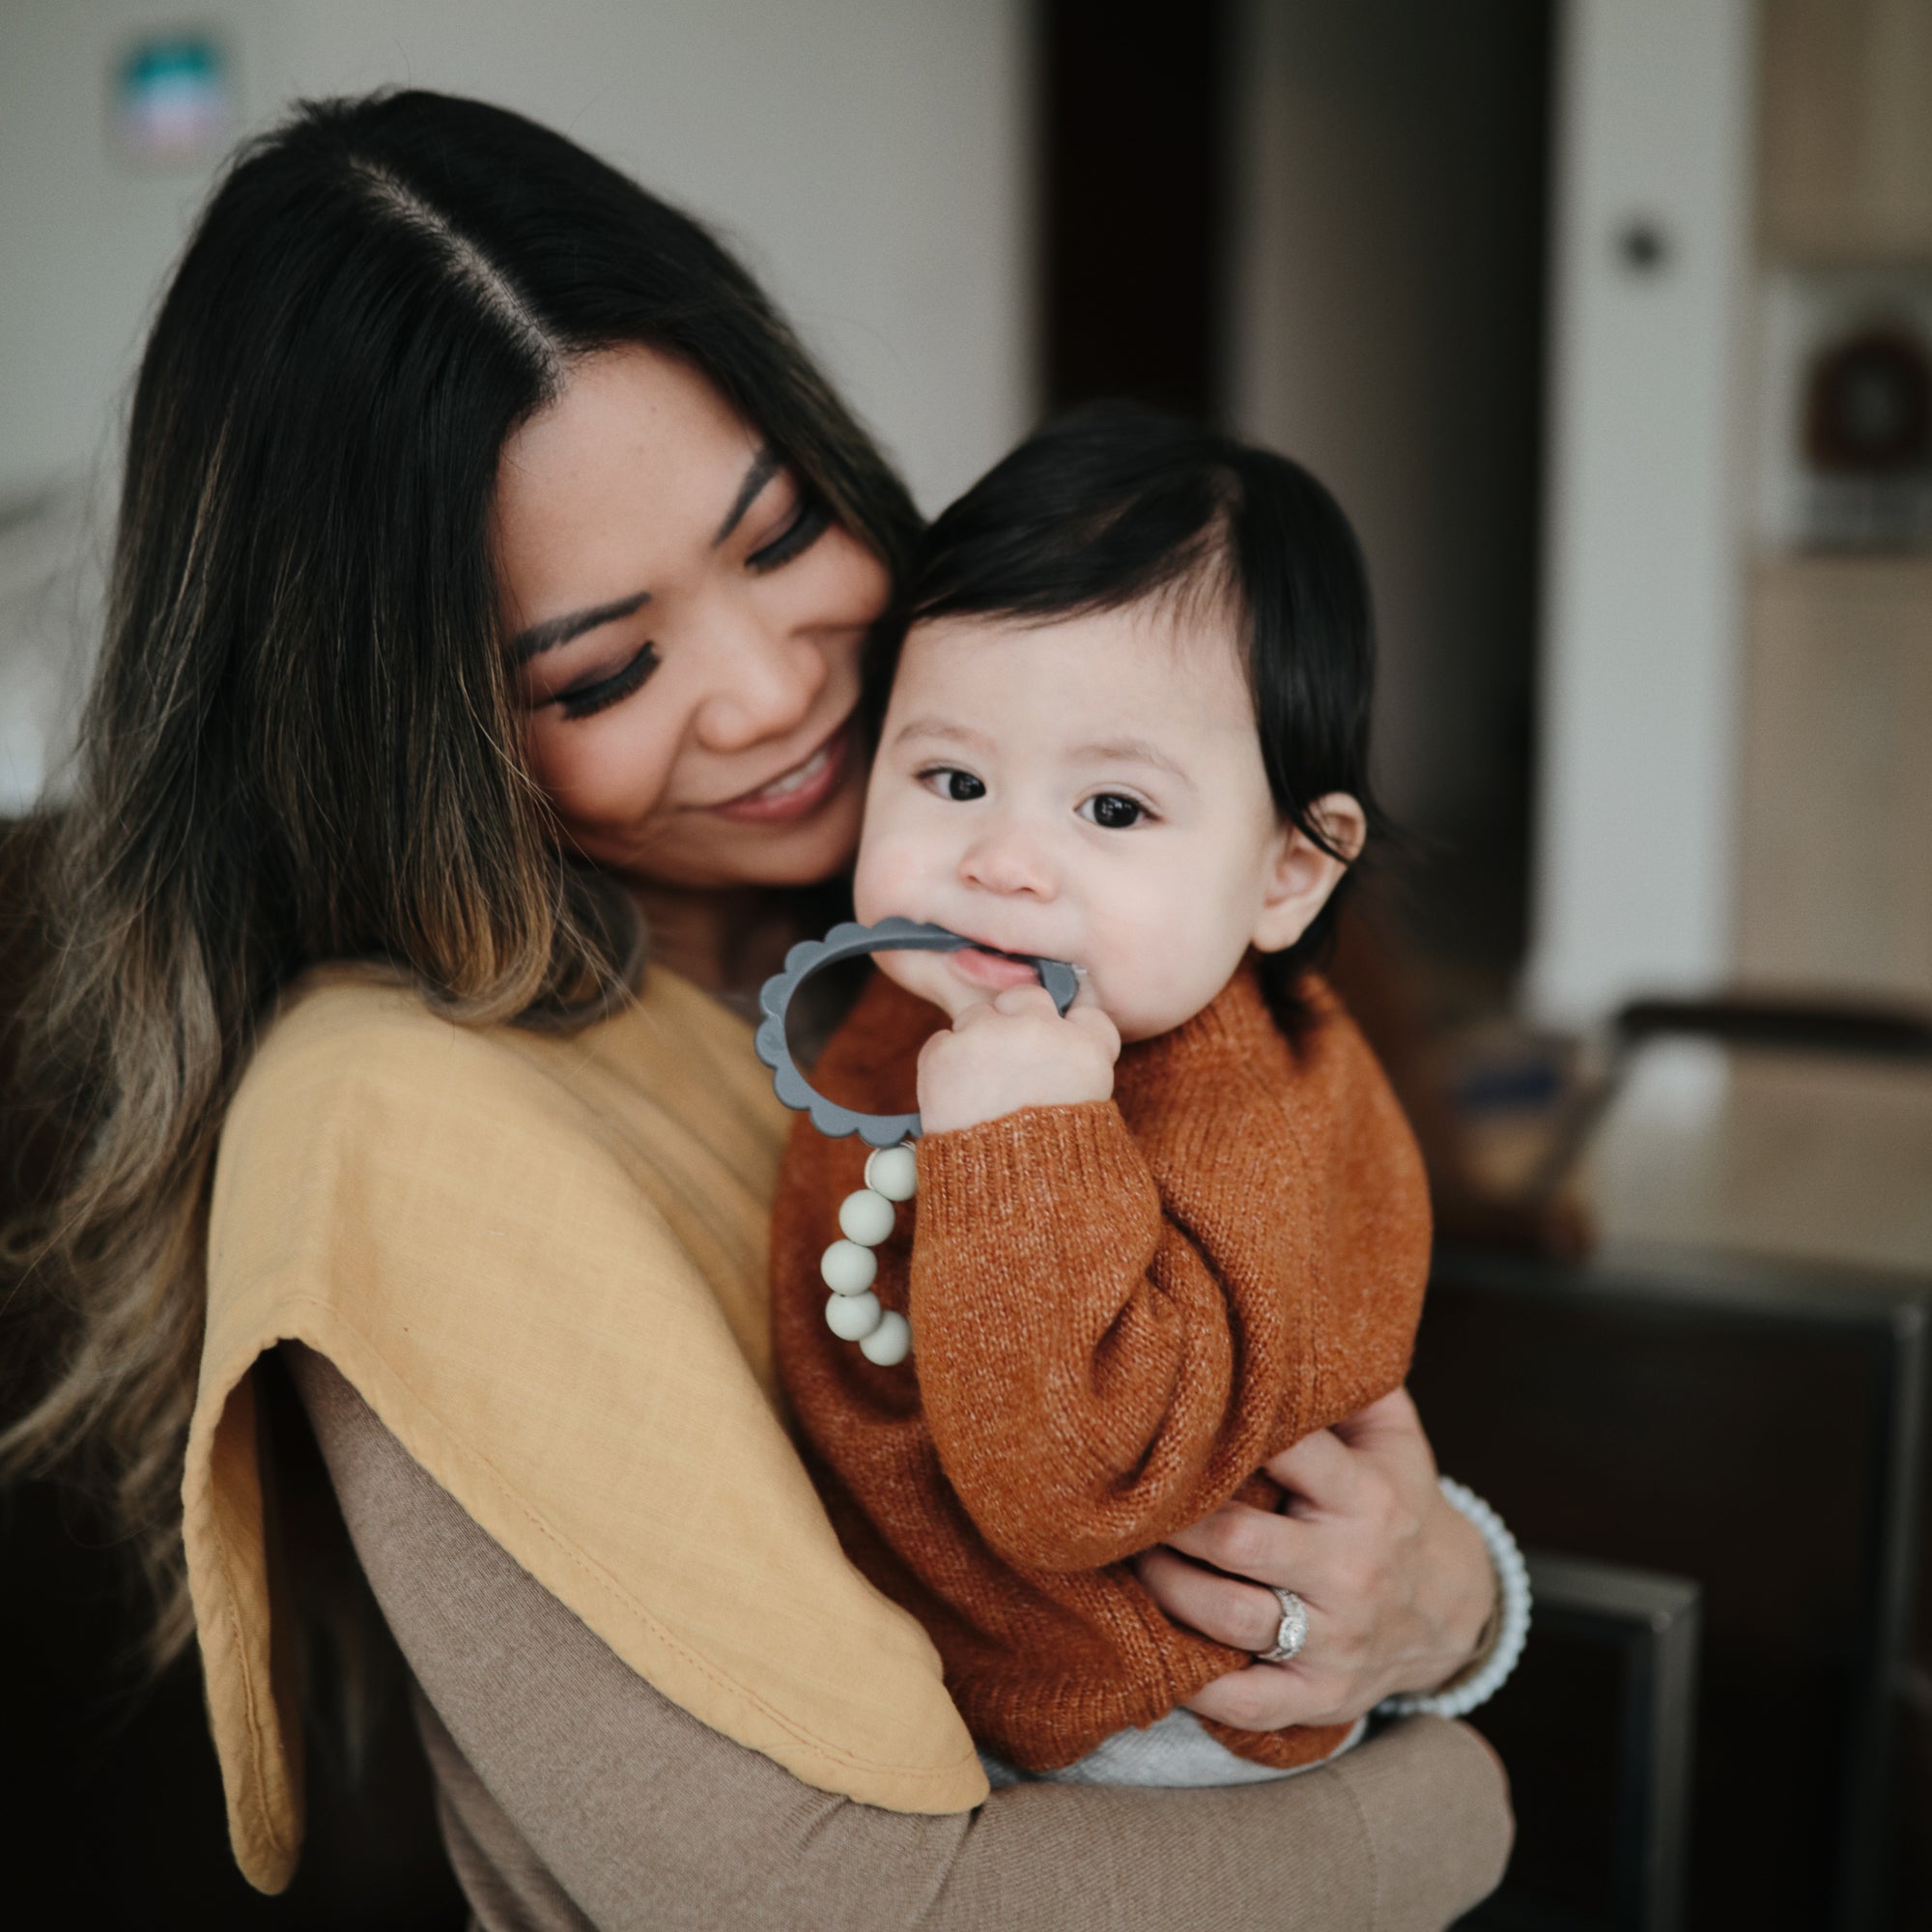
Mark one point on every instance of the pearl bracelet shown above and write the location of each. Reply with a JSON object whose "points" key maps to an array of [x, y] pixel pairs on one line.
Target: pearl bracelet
{"points": [[1513, 1586], [849, 1266]]}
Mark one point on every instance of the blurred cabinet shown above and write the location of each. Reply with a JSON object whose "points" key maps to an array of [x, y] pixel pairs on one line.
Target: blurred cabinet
{"points": [[1845, 160], [1835, 843]]}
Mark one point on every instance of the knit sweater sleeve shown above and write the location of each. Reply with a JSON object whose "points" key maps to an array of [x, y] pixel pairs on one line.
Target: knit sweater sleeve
{"points": [[1113, 1333]]}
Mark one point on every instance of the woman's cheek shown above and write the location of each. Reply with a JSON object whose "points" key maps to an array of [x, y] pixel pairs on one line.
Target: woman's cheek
{"points": [[602, 775]]}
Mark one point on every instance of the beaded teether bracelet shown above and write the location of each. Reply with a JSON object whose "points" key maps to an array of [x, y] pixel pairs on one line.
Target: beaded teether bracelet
{"points": [[865, 1216]]}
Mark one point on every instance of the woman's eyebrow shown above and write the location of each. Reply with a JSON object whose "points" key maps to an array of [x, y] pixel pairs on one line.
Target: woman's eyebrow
{"points": [[764, 466], [555, 631]]}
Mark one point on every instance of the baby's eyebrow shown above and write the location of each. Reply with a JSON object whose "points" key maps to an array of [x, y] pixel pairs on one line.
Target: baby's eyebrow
{"points": [[938, 727], [1132, 752]]}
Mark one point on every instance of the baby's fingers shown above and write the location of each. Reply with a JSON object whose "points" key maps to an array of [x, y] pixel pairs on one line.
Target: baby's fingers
{"points": [[1019, 1000], [1094, 1023]]}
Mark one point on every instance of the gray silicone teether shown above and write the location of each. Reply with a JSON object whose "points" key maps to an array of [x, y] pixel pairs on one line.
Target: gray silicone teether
{"points": [[847, 942]]}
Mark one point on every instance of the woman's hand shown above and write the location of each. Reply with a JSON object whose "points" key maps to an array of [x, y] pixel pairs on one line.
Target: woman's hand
{"points": [[1397, 1582]]}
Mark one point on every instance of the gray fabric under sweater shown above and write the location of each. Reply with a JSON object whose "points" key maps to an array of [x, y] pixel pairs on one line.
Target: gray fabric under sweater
{"points": [[573, 1795]]}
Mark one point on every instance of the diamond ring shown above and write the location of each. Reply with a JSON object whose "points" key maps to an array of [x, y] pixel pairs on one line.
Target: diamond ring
{"points": [[1291, 1633]]}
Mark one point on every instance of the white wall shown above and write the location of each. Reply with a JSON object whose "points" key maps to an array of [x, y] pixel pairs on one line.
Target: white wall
{"points": [[871, 158], [1635, 858]]}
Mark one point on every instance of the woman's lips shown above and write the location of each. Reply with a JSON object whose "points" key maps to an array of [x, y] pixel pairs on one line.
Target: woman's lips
{"points": [[797, 793]]}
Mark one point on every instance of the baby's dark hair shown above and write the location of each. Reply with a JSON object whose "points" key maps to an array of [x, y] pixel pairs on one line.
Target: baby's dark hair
{"points": [[1113, 505]]}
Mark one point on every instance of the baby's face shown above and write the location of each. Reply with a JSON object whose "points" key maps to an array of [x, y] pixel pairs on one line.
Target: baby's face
{"points": [[1088, 789]]}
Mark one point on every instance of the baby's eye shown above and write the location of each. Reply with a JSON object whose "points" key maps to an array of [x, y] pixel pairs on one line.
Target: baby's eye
{"points": [[1114, 810], [949, 782]]}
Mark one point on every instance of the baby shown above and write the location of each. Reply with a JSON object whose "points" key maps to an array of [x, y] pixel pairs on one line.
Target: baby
{"points": [[1159, 1240]]}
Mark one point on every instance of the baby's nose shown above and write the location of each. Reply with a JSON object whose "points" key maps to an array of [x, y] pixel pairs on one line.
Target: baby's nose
{"points": [[1004, 859]]}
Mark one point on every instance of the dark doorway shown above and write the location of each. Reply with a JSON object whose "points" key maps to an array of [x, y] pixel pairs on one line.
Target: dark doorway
{"points": [[1324, 226]]}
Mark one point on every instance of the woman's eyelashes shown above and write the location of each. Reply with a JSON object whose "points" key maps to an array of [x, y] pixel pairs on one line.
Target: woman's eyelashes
{"points": [[807, 524], [585, 700]]}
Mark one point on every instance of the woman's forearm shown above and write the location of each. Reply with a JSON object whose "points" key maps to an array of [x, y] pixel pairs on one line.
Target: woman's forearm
{"points": [[618, 1809]]}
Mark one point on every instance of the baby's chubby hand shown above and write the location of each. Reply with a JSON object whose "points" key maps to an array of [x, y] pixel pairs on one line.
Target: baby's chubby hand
{"points": [[1015, 1051]]}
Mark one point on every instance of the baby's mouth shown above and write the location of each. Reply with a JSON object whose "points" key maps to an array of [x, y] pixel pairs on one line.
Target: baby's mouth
{"points": [[997, 971]]}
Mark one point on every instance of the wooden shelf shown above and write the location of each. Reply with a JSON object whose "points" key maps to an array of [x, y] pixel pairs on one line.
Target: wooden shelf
{"points": [[1835, 778], [1845, 131]]}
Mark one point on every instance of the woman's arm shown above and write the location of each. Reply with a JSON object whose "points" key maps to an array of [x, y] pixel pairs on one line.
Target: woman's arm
{"points": [[577, 1795], [1399, 1587]]}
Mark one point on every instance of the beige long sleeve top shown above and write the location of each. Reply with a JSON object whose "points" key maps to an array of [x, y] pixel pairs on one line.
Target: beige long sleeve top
{"points": [[538, 1264], [574, 1796]]}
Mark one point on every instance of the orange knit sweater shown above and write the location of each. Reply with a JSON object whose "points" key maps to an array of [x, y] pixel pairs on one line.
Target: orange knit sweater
{"points": [[1118, 1311]]}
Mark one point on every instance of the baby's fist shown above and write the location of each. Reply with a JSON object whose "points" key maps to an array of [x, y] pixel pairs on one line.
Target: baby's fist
{"points": [[1015, 1052]]}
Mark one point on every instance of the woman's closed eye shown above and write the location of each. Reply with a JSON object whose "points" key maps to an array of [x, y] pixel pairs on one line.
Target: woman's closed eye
{"points": [[963, 787], [1114, 810], [585, 700], [806, 525]]}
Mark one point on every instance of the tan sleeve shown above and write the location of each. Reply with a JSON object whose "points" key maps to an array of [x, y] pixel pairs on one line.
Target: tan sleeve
{"points": [[1144, 1368], [574, 1794]]}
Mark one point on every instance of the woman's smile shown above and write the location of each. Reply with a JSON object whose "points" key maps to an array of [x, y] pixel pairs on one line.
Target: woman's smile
{"points": [[797, 793]]}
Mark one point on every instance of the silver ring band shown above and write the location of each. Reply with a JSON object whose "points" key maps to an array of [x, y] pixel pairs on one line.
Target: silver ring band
{"points": [[1292, 1631]]}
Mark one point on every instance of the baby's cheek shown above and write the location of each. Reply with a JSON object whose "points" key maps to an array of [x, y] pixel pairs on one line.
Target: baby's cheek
{"points": [[1157, 962], [888, 878]]}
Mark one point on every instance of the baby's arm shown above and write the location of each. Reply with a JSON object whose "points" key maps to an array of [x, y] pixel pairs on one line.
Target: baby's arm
{"points": [[1096, 1375]]}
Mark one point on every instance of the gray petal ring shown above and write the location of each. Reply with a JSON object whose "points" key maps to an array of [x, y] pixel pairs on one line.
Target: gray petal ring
{"points": [[848, 941]]}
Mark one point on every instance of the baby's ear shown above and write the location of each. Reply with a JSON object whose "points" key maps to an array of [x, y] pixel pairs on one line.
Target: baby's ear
{"points": [[1301, 875]]}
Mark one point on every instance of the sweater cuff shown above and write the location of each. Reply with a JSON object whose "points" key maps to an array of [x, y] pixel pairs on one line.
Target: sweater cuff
{"points": [[1031, 1171]]}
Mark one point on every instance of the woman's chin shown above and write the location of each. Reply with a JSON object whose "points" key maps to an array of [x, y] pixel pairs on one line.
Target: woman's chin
{"points": [[713, 854], [814, 850]]}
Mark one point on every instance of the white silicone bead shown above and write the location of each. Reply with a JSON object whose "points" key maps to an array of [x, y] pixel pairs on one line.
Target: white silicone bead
{"points": [[866, 1217], [848, 1268], [853, 1317], [894, 1171], [890, 1343]]}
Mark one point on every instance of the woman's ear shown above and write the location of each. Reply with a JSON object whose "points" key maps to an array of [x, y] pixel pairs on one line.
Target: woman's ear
{"points": [[1301, 875]]}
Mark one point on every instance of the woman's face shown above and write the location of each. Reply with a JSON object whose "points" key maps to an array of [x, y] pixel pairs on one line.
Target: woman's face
{"points": [[686, 626]]}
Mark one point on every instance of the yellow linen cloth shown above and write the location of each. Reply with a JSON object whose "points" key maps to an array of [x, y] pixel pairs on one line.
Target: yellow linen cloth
{"points": [[542, 1260]]}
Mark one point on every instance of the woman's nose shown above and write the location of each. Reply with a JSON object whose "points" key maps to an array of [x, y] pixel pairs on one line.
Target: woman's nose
{"points": [[1005, 858], [766, 681]]}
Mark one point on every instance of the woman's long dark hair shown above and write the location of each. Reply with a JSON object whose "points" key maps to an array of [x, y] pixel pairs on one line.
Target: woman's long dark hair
{"points": [[300, 742]]}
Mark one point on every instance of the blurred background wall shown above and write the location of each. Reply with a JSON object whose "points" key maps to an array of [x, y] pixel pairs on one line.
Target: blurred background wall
{"points": [[871, 161], [1534, 286]]}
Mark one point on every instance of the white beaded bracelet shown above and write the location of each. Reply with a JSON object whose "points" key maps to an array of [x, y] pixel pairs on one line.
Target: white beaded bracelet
{"points": [[1512, 1584]]}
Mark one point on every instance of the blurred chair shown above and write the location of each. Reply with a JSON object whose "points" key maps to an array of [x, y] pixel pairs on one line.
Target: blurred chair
{"points": [[1594, 1726], [1693, 1340], [1757, 1429]]}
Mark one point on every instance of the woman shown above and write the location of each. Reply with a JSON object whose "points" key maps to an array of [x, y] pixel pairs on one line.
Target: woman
{"points": [[449, 443]]}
